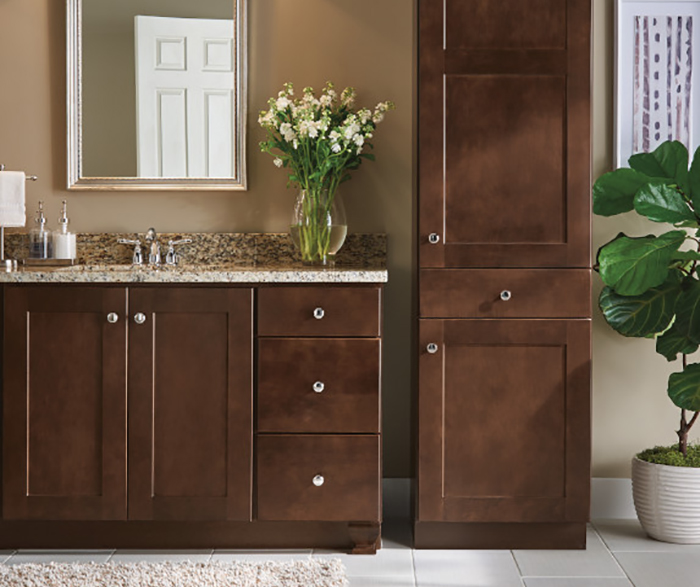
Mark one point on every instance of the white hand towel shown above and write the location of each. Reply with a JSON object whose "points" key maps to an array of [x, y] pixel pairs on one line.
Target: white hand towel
{"points": [[12, 210]]}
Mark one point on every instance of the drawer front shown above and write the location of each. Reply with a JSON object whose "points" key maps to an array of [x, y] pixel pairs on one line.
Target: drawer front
{"points": [[505, 293], [319, 311], [346, 471], [318, 385]]}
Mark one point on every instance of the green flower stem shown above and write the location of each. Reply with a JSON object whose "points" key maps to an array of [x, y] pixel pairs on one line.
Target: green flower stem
{"points": [[314, 230]]}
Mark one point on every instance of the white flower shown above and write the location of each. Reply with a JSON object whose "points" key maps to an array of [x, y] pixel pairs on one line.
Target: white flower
{"points": [[364, 115], [378, 117], [278, 162], [336, 148], [359, 140], [335, 135], [287, 132], [326, 101], [351, 131], [282, 103]]}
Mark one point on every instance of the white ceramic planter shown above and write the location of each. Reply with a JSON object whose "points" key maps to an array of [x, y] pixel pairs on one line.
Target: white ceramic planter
{"points": [[667, 500]]}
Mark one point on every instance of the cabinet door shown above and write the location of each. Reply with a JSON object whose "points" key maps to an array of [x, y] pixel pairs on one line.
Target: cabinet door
{"points": [[64, 400], [504, 125], [190, 403], [504, 424]]}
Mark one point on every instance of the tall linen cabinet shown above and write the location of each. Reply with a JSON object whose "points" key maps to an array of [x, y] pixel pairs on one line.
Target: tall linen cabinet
{"points": [[504, 262]]}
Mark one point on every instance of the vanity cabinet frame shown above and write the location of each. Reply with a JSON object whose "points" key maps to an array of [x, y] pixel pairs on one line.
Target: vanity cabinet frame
{"points": [[150, 507]]}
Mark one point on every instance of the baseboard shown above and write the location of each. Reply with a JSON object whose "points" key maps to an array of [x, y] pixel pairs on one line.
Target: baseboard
{"points": [[610, 498]]}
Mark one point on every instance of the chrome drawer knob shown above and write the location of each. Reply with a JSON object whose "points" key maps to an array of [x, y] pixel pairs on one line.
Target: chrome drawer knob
{"points": [[319, 387], [506, 295], [318, 480], [319, 313], [140, 318], [432, 348], [112, 317], [434, 238]]}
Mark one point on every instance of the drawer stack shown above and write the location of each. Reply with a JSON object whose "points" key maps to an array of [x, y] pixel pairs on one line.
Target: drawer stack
{"points": [[318, 436]]}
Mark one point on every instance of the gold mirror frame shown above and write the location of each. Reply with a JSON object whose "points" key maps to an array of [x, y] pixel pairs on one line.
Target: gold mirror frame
{"points": [[76, 181]]}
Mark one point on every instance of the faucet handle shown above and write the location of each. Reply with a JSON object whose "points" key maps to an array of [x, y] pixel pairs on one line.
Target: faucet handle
{"points": [[171, 257], [137, 258]]}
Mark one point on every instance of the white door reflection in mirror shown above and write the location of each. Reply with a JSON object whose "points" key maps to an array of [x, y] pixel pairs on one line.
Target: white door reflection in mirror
{"points": [[185, 97]]}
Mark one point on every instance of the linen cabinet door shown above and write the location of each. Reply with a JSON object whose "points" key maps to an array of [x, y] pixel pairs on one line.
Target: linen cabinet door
{"points": [[504, 420], [190, 403], [504, 123], [64, 403]]}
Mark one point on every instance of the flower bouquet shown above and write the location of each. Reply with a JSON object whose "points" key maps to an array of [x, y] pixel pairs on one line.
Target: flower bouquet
{"points": [[320, 141]]}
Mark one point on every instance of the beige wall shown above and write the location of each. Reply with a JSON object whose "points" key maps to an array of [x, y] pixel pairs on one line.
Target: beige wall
{"points": [[368, 44]]}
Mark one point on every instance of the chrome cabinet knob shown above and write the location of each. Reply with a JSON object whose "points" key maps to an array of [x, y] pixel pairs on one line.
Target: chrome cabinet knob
{"points": [[319, 313], [433, 238], [432, 348], [112, 317], [319, 387], [318, 480], [506, 295], [139, 318]]}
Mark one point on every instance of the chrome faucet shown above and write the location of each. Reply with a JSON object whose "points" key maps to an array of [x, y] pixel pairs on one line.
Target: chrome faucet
{"points": [[153, 246]]}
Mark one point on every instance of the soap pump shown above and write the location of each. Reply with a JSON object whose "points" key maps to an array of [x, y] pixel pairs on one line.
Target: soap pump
{"points": [[39, 237], [63, 241]]}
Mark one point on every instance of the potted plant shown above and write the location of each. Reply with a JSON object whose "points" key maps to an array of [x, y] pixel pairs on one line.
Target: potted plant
{"points": [[320, 141], [652, 290]]}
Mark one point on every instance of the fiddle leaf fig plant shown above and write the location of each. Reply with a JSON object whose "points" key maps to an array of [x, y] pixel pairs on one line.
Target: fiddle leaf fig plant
{"points": [[651, 282]]}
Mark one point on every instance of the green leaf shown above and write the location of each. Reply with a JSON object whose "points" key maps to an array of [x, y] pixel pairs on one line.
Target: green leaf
{"points": [[694, 180], [668, 161], [642, 315], [672, 342], [632, 265], [684, 388], [662, 203], [688, 312], [686, 256], [613, 193]]}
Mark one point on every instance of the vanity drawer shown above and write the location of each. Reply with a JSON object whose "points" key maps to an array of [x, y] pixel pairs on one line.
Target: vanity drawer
{"points": [[505, 293], [319, 311], [318, 385], [318, 478]]}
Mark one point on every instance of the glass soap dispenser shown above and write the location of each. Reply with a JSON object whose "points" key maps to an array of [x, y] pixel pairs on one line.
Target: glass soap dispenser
{"points": [[40, 246], [63, 241]]}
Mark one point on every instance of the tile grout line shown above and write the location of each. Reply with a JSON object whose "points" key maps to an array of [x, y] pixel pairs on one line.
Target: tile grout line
{"points": [[517, 566], [612, 554]]}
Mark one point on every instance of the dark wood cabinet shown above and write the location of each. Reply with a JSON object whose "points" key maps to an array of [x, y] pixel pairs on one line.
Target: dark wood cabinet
{"points": [[64, 404], [190, 400], [505, 403], [504, 133], [131, 417], [503, 411], [189, 395]]}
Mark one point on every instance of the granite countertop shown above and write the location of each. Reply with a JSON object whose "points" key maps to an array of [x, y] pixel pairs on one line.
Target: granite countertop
{"points": [[210, 258], [220, 273]]}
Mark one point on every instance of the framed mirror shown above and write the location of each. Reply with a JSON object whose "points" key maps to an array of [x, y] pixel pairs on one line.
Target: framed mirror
{"points": [[156, 94]]}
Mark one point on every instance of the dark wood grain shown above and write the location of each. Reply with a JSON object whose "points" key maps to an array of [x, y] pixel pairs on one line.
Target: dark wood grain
{"points": [[504, 133], [348, 311], [504, 421], [512, 24], [287, 464], [350, 373], [190, 404], [64, 400], [535, 293]]}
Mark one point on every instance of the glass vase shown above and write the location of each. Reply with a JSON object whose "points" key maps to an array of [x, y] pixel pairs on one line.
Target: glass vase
{"points": [[319, 226]]}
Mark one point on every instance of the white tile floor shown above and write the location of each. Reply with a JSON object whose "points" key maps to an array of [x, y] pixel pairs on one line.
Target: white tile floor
{"points": [[618, 555]]}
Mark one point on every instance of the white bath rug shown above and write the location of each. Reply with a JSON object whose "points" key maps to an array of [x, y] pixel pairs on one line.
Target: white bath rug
{"points": [[300, 573]]}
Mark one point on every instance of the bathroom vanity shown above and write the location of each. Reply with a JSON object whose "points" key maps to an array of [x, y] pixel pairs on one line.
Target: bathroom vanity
{"points": [[192, 407]]}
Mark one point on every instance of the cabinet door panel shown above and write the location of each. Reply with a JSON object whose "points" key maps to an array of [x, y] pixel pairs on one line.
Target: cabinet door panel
{"points": [[512, 24], [504, 127], [190, 390], [64, 404], [504, 421]]}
